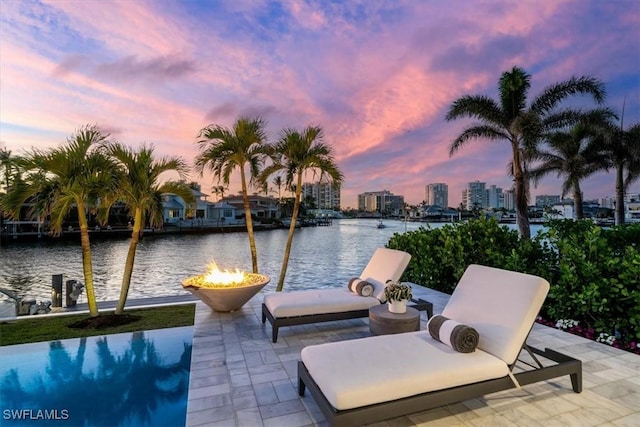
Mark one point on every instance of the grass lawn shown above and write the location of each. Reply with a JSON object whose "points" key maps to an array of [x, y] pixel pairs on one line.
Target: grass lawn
{"points": [[49, 328]]}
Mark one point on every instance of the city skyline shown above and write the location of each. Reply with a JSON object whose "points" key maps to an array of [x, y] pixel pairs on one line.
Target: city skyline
{"points": [[378, 77]]}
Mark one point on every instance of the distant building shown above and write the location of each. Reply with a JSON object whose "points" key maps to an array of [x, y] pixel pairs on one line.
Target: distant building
{"points": [[260, 206], [324, 194], [380, 201], [509, 199], [545, 200], [174, 207], [632, 208], [224, 213], [475, 195], [437, 194], [608, 202], [565, 209], [495, 197]]}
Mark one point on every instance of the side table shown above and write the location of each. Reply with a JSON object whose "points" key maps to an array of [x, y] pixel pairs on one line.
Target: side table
{"points": [[382, 321]]}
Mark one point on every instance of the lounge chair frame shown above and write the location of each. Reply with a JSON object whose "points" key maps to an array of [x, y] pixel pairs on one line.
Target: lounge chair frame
{"points": [[278, 322], [564, 365]]}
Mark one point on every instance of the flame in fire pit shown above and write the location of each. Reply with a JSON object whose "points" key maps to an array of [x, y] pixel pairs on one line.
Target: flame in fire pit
{"points": [[216, 278], [223, 277]]}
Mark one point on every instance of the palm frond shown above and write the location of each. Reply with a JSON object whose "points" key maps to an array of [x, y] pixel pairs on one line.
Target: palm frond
{"points": [[552, 95], [477, 132]]}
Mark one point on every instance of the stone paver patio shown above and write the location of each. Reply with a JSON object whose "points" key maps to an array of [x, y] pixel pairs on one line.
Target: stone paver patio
{"points": [[240, 378]]}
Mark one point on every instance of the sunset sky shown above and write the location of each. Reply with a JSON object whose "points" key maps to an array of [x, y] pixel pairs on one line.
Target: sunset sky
{"points": [[377, 76]]}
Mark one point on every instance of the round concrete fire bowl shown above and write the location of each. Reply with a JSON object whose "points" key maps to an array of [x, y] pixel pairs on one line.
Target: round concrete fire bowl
{"points": [[225, 297]]}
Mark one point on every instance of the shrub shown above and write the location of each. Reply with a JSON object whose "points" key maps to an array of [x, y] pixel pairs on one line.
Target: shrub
{"points": [[441, 255], [594, 273], [597, 278]]}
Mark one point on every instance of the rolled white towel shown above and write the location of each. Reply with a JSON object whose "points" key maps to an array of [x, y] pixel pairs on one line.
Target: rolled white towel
{"points": [[461, 338], [361, 287]]}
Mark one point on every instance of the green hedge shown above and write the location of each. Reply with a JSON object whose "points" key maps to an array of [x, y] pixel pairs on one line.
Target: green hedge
{"points": [[594, 272], [441, 255]]}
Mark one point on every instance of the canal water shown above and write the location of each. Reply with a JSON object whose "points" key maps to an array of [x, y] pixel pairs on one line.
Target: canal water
{"points": [[320, 257]]}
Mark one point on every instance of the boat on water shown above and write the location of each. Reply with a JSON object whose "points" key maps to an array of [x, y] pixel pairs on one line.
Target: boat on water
{"points": [[286, 223], [381, 224]]}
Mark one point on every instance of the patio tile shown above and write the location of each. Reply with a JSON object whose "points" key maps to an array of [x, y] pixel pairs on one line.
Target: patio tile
{"points": [[578, 418], [297, 419], [280, 409], [209, 402], [265, 393], [239, 377], [632, 420], [212, 390], [249, 417], [206, 417]]}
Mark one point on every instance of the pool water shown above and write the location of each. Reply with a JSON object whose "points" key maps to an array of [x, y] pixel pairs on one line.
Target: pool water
{"points": [[132, 379]]}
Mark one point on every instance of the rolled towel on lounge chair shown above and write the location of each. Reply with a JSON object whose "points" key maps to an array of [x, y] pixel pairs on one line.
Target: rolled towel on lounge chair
{"points": [[461, 338], [361, 287]]}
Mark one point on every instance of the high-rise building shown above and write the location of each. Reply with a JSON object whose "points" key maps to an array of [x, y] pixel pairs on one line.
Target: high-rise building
{"points": [[380, 201], [495, 197], [325, 195], [437, 194], [475, 195], [509, 199], [608, 202], [547, 200]]}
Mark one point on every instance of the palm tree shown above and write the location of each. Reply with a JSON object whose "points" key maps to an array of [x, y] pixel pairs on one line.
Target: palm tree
{"points": [[10, 165], [219, 191], [76, 175], [277, 181], [222, 150], [510, 119], [573, 155], [295, 154], [622, 150], [140, 189]]}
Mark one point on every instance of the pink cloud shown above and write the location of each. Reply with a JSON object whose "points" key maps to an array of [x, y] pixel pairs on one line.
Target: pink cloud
{"points": [[378, 77]]}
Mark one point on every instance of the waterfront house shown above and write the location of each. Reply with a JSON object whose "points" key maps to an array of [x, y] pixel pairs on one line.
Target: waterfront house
{"points": [[224, 214], [174, 208], [260, 206]]}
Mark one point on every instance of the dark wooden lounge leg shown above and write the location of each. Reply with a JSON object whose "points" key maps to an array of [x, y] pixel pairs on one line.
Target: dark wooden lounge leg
{"points": [[274, 333], [264, 314], [576, 381]]}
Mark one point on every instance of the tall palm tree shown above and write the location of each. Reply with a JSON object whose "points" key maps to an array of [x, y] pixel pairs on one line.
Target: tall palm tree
{"points": [[573, 155], [522, 126], [75, 175], [622, 149], [223, 150], [295, 154], [140, 189]]}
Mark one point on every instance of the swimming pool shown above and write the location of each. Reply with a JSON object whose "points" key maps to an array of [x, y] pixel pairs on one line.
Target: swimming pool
{"points": [[132, 379]]}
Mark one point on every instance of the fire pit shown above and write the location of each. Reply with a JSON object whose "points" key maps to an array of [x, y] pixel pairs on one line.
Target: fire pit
{"points": [[225, 290]]}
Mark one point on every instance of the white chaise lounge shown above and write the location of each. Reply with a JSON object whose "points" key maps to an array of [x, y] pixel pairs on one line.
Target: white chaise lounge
{"points": [[322, 305], [371, 379]]}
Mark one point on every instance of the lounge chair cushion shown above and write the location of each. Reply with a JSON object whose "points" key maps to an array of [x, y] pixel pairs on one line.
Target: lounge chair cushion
{"points": [[482, 289], [395, 366], [385, 264], [316, 301]]}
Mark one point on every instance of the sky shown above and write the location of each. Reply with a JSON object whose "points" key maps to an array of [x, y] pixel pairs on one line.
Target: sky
{"points": [[377, 76]]}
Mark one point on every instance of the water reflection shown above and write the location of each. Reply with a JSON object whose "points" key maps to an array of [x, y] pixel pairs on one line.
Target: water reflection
{"points": [[107, 381]]}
